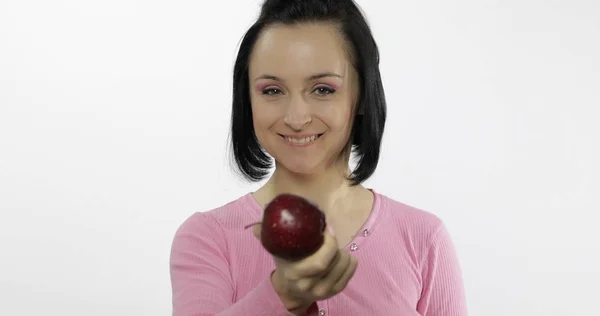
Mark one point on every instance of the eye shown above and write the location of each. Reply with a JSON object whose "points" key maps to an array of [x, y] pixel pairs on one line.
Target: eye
{"points": [[324, 91], [271, 91]]}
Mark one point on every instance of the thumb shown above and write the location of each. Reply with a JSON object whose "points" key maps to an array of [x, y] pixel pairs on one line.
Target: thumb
{"points": [[330, 230], [256, 228], [330, 236]]}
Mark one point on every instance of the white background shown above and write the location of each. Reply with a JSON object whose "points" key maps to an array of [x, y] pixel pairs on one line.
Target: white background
{"points": [[114, 118]]}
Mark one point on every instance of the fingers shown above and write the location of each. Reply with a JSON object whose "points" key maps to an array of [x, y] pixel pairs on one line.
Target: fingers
{"points": [[338, 270], [332, 264], [306, 283], [318, 262], [341, 283], [330, 284], [329, 280], [321, 275]]}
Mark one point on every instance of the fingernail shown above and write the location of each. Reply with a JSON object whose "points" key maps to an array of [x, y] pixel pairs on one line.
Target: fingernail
{"points": [[330, 230]]}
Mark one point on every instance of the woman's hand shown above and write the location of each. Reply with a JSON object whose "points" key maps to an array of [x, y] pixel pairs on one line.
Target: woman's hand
{"points": [[317, 277]]}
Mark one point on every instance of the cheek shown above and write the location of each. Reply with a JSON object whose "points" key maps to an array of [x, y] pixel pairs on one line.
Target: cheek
{"points": [[264, 116], [338, 118]]}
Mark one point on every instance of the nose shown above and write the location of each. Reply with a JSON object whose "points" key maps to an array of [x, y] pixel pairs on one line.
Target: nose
{"points": [[298, 115]]}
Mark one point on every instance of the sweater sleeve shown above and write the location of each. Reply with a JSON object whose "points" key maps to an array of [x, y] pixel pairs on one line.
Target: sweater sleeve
{"points": [[443, 291], [201, 281]]}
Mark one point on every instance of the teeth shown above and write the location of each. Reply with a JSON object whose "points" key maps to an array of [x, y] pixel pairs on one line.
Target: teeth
{"points": [[301, 140]]}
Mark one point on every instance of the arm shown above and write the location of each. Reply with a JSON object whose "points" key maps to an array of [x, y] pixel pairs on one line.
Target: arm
{"points": [[200, 277], [443, 290]]}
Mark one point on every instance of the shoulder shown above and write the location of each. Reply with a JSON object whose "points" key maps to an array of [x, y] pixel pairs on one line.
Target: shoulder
{"points": [[233, 215], [407, 215], [409, 223]]}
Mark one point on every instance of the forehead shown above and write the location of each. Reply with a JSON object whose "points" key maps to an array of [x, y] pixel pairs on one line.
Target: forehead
{"points": [[289, 50]]}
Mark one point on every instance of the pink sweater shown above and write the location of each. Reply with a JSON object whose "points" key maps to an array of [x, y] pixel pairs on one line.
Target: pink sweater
{"points": [[406, 266]]}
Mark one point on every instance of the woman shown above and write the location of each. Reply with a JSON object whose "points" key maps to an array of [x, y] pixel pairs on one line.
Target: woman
{"points": [[307, 92]]}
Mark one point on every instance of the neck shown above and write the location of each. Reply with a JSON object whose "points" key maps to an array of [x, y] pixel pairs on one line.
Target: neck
{"points": [[324, 189]]}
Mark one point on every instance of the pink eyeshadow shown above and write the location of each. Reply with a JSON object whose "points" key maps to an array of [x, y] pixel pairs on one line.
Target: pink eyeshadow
{"points": [[332, 85], [261, 87]]}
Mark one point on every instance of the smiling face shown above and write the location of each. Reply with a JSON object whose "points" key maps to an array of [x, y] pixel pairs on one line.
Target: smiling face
{"points": [[303, 91]]}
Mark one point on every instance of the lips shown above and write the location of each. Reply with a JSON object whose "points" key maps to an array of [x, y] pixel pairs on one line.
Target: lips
{"points": [[301, 139]]}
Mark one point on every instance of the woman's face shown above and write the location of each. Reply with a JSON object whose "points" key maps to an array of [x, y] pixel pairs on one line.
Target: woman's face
{"points": [[303, 91]]}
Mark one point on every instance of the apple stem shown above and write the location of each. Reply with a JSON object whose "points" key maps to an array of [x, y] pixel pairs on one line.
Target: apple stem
{"points": [[248, 226]]}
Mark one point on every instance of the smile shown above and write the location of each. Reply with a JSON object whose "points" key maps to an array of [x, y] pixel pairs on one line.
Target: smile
{"points": [[305, 140]]}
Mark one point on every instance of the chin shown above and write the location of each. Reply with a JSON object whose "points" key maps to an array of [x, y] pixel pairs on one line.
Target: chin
{"points": [[300, 167]]}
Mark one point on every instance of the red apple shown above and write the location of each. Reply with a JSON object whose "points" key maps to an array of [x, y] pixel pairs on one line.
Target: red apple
{"points": [[292, 227]]}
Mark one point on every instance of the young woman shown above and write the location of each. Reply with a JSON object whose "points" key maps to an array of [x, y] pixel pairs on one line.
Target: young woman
{"points": [[307, 92]]}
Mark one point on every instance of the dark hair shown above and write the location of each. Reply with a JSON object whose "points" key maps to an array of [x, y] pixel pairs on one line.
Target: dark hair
{"points": [[367, 131]]}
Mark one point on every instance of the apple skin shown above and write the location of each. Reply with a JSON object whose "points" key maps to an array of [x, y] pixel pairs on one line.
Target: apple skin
{"points": [[293, 228]]}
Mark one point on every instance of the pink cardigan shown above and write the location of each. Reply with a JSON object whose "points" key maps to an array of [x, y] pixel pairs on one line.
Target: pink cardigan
{"points": [[406, 266]]}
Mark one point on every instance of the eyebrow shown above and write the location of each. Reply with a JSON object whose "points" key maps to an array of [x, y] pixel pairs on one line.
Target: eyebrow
{"points": [[313, 77]]}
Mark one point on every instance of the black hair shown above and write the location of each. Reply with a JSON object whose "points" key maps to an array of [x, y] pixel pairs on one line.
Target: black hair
{"points": [[367, 130]]}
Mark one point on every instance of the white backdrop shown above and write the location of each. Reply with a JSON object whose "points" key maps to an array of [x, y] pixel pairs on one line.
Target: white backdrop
{"points": [[114, 118]]}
